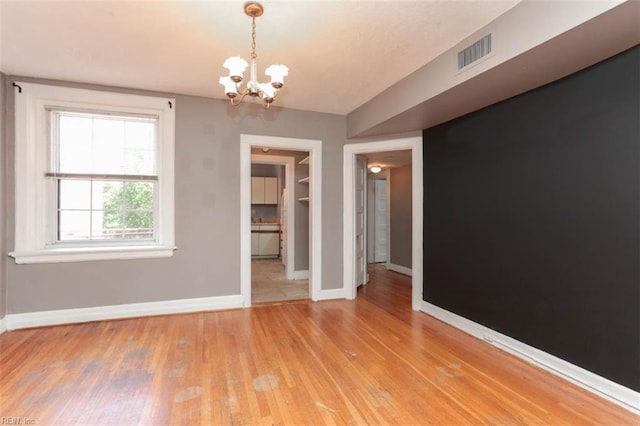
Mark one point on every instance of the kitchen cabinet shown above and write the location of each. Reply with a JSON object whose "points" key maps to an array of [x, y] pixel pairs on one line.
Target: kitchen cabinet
{"points": [[264, 190], [265, 239], [255, 243], [269, 244]]}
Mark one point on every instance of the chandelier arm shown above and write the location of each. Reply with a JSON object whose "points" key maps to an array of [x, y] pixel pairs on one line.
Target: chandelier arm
{"points": [[235, 101]]}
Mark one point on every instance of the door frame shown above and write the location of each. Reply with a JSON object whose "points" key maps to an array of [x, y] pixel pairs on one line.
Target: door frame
{"points": [[365, 236], [289, 165], [350, 151], [314, 147]]}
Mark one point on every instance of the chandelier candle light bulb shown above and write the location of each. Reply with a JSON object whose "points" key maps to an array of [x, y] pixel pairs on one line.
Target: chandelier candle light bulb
{"points": [[237, 66]]}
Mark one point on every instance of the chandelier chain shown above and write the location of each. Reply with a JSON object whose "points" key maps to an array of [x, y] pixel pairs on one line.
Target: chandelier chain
{"points": [[253, 37]]}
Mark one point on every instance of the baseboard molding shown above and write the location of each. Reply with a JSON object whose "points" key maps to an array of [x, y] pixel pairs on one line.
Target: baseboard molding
{"points": [[3, 325], [70, 316], [618, 394], [301, 275], [400, 269], [337, 293]]}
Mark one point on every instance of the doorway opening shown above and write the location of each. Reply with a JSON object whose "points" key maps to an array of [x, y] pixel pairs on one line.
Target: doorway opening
{"points": [[312, 200], [279, 225], [358, 158]]}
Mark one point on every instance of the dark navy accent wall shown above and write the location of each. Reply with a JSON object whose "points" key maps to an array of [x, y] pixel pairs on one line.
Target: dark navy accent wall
{"points": [[532, 218]]}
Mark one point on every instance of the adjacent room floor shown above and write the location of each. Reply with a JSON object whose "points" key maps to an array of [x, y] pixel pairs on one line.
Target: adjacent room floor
{"points": [[371, 360], [269, 283]]}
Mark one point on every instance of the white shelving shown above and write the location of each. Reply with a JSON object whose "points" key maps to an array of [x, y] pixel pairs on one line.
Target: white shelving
{"points": [[306, 179]]}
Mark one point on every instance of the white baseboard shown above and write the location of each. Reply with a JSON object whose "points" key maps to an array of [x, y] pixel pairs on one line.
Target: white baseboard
{"points": [[301, 275], [69, 316], [337, 293], [401, 269], [3, 325], [618, 394]]}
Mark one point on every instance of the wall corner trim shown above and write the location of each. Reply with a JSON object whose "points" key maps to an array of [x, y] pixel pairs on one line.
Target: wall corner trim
{"points": [[400, 269], [337, 293], [3, 325], [132, 310], [605, 388]]}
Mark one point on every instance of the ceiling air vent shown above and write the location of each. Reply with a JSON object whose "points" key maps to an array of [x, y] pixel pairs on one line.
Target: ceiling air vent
{"points": [[474, 52]]}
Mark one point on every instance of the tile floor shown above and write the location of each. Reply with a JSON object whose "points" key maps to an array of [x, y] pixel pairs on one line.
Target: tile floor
{"points": [[269, 284]]}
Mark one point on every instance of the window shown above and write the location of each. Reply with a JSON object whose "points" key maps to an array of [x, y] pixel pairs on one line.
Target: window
{"points": [[94, 175]]}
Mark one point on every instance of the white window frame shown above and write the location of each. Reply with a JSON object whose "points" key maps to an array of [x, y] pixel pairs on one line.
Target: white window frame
{"points": [[32, 189]]}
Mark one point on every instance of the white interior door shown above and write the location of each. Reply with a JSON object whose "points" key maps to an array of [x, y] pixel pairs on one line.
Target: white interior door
{"points": [[380, 221], [360, 222]]}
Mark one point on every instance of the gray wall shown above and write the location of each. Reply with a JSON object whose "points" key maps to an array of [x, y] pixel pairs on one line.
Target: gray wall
{"points": [[400, 218], [3, 205], [207, 262]]}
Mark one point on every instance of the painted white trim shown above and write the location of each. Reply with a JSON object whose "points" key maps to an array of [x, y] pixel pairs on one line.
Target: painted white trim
{"points": [[387, 174], [331, 294], [301, 275], [3, 325], [618, 394], [289, 163], [350, 151], [400, 269], [132, 310], [314, 147], [34, 229], [92, 253]]}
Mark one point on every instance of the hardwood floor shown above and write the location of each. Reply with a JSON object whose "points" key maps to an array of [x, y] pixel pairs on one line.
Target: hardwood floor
{"points": [[367, 361]]}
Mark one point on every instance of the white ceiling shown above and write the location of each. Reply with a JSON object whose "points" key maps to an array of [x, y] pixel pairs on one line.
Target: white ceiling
{"points": [[340, 53], [389, 159]]}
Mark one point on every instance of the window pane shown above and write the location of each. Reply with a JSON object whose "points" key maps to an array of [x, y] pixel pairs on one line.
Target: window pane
{"points": [[105, 210], [107, 195], [75, 194], [74, 225], [97, 229], [139, 225], [140, 148], [74, 149], [112, 223], [123, 210], [93, 143], [138, 195]]}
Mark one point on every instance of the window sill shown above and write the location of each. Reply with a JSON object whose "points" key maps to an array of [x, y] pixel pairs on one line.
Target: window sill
{"points": [[59, 255]]}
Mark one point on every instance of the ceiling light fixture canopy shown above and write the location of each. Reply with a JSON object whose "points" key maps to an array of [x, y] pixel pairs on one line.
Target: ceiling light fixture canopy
{"points": [[236, 66], [376, 169]]}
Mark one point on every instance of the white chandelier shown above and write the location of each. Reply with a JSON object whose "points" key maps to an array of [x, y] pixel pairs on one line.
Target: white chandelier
{"points": [[236, 66]]}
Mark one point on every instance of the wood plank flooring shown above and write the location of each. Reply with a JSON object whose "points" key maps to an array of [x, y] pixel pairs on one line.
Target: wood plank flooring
{"points": [[368, 361]]}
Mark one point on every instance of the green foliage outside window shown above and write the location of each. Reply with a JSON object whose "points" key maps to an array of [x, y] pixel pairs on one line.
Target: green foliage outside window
{"points": [[128, 209]]}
